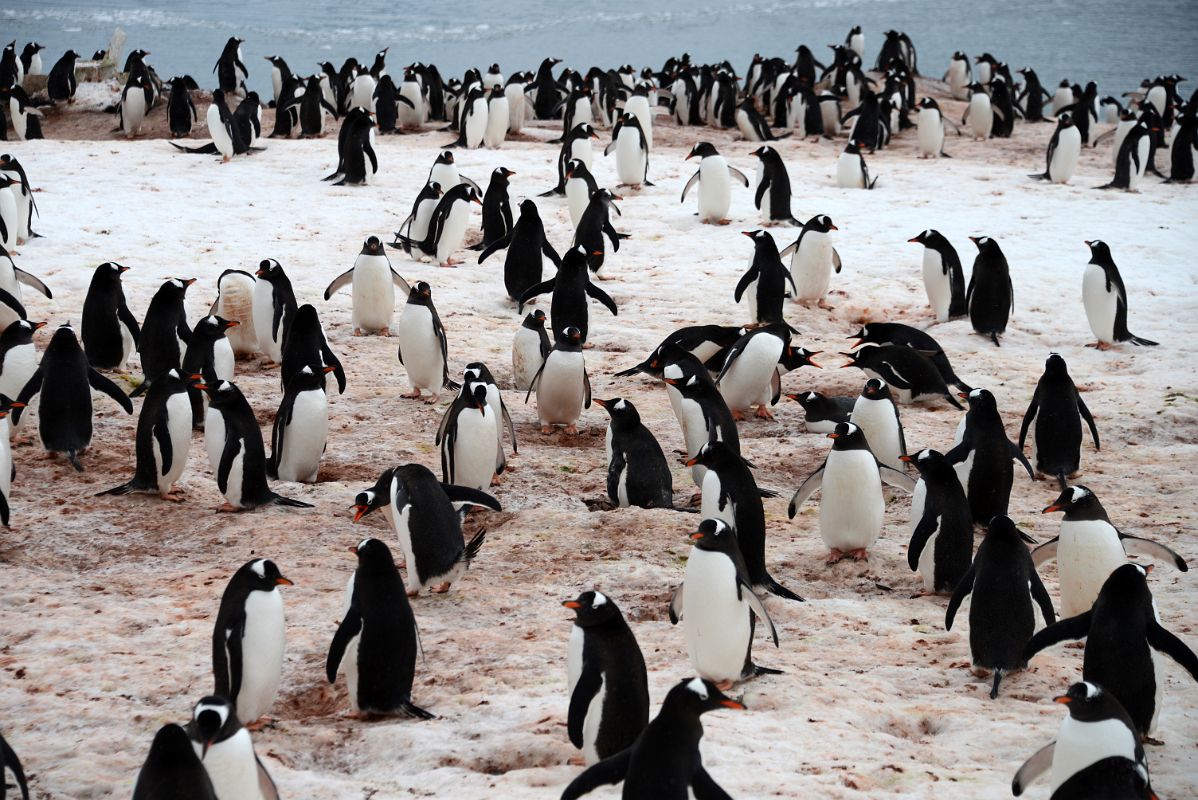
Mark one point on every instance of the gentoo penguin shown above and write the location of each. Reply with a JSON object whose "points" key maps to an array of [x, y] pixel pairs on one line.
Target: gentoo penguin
{"points": [[851, 171], [9, 220], [26, 119], [1064, 149], [821, 414], [420, 509], [135, 102], [594, 224], [355, 146], [714, 177], [943, 278], [387, 100], [248, 639], [764, 284], [1062, 97], [163, 438], [570, 287], [313, 104], [165, 332], [773, 194], [990, 297], [883, 333], [26, 208], [444, 172], [414, 228], [477, 372], [609, 689], [274, 308], [876, 414], [752, 126], [629, 142], [751, 367], [1004, 584], [562, 386], [377, 639], [1124, 643], [64, 381], [235, 301], [544, 89], [18, 360], [665, 762], [979, 114], [731, 494], [851, 505], [1131, 162], [930, 126], [209, 355], [497, 209], [983, 458], [941, 547], [1105, 299], [525, 243], [31, 58], [307, 346], [719, 608], [180, 108], [361, 91], [172, 770], [301, 427], [529, 348], [517, 104], [637, 106], [911, 375], [373, 281], [812, 259], [1032, 96], [472, 119], [62, 82], [231, 72], [109, 330], [280, 73], [1053, 417], [227, 752], [700, 408], [467, 437], [1089, 548], [421, 335], [235, 451], [7, 473], [413, 113], [498, 117], [447, 225], [1098, 752], [576, 146], [637, 471], [707, 343]]}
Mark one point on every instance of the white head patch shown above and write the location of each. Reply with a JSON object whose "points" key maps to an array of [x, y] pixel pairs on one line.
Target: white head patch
{"points": [[976, 393], [673, 372], [224, 386], [810, 395], [178, 283], [221, 709], [306, 370], [698, 687], [362, 543], [851, 428], [620, 406], [983, 240], [259, 567], [600, 599], [1092, 691], [1079, 492]]}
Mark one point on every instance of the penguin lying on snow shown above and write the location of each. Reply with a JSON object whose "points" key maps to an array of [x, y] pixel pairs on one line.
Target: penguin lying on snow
{"points": [[821, 413], [898, 334], [907, 370], [172, 769], [708, 343]]}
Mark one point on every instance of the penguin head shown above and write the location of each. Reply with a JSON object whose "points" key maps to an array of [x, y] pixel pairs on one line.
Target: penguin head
{"points": [[1089, 702], [795, 357], [7, 405], [20, 332], [571, 336], [584, 130], [213, 719], [373, 556], [263, 575], [926, 460], [764, 152], [695, 696], [821, 223], [1100, 253], [1055, 366], [703, 150], [713, 534], [852, 149], [979, 400], [476, 396], [372, 247], [876, 389], [592, 608], [421, 293], [535, 320], [214, 327], [446, 157], [575, 165], [176, 286], [1065, 120], [924, 237], [1127, 587], [960, 56], [928, 102], [375, 497], [501, 174], [1071, 498], [529, 208], [270, 269], [846, 436], [111, 270], [622, 412], [986, 245], [1003, 527]]}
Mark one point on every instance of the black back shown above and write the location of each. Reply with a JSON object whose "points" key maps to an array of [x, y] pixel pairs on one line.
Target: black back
{"points": [[305, 345], [634, 451], [1057, 410], [990, 296], [104, 311], [200, 359], [172, 770], [945, 513], [991, 474], [165, 326]]}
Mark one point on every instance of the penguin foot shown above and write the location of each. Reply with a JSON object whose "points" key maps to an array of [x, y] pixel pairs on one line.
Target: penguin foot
{"points": [[577, 761], [588, 346], [764, 413], [385, 331], [431, 399], [546, 429], [449, 262], [174, 495], [723, 222], [859, 554], [227, 508], [495, 479], [739, 416], [834, 555], [357, 331], [415, 593], [1099, 345], [571, 430], [412, 395], [441, 588], [1152, 741], [823, 303], [695, 500]]}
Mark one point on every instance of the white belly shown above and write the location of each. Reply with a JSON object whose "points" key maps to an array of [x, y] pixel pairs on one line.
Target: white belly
{"points": [[639, 108], [630, 159], [133, 112], [574, 657], [411, 117], [178, 410], [590, 723], [127, 344], [1080, 744], [5, 459], [237, 303], [497, 123], [876, 420], [264, 320], [373, 294], [223, 361], [745, 126], [1120, 134], [694, 432], [919, 496], [474, 449], [710, 503], [232, 767], [526, 357], [927, 560], [1100, 304], [848, 172], [958, 80], [577, 198], [811, 267], [1064, 158], [851, 505], [716, 622], [261, 654], [304, 439], [931, 132], [1062, 97], [515, 107], [424, 212], [581, 149], [421, 349], [829, 115], [453, 232], [1088, 551], [981, 117], [751, 373], [220, 136], [19, 121], [936, 284], [8, 211], [715, 189], [476, 125], [560, 389], [19, 365], [1137, 174], [363, 92]]}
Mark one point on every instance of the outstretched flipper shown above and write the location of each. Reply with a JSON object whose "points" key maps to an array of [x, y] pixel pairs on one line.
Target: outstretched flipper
{"points": [[608, 771]]}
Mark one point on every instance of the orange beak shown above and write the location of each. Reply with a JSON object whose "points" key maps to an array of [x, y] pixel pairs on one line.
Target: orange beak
{"points": [[231, 323], [1063, 700], [359, 512], [733, 705], [832, 436], [697, 535], [914, 240], [907, 459], [572, 604], [692, 462], [281, 581], [1050, 509], [353, 549], [601, 403], [963, 395]]}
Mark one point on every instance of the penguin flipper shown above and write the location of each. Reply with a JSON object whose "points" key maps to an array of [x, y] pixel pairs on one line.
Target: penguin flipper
{"points": [[744, 282], [33, 282], [1033, 768], [919, 539], [805, 490], [4, 511], [959, 595], [103, 384], [676, 604], [1018, 455], [206, 150], [511, 427], [580, 702], [1072, 628], [608, 771], [1135, 546], [162, 435], [548, 251], [586, 385], [341, 281], [1029, 415], [290, 502], [535, 290], [1175, 648], [350, 627], [463, 494], [736, 173], [702, 784], [762, 188], [900, 480], [1040, 595], [31, 388], [1046, 552], [266, 785], [400, 283], [693, 180], [836, 263], [602, 296], [758, 607]]}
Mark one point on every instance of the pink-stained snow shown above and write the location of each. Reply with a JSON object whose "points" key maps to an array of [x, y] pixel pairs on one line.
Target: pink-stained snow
{"points": [[108, 603]]}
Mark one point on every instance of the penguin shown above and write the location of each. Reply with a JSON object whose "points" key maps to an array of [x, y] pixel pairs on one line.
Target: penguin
{"points": [[1064, 149], [307, 345], [165, 332], [718, 605], [930, 126], [136, 100], [498, 118], [235, 451], [752, 126], [594, 224], [64, 380], [979, 114], [1125, 640], [387, 99], [209, 355], [731, 494], [1063, 97], [467, 437], [773, 193], [377, 639], [231, 72], [631, 146], [235, 301], [576, 146], [698, 405], [248, 639], [473, 120], [274, 308], [883, 333], [530, 346], [180, 108], [1052, 416], [709, 344], [109, 331], [26, 119], [287, 109], [943, 279], [637, 106], [665, 761], [62, 82], [421, 511], [226, 138], [570, 287], [517, 105], [373, 281], [18, 361], [608, 683], [497, 209], [414, 228], [990, 296], [280, 74], [355, 142], [1184, 148], [751, 366], [714, 178], [821, 414], [1089, 548], [812, 260], [1131, 162], [312, 107], [447, 226], [526, 243], [637, 471], [1105, 299], [1097, 753], [545, 90], [1003, 106], [851, 506], [421, 335], [9, 213], [1032, 96], [26, 208], [227, 752], [764, 284], [172, 770], [7, 473], [361, 91], [31, 58], [562, 386], [444, 173], [876, 414], [301, 427], [984, 457], [163, 438], [911, 374], [941, 547], [851, 172]]}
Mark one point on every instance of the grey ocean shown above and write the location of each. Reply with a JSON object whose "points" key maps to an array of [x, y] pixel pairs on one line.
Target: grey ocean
{"points": [[1113, 42]]}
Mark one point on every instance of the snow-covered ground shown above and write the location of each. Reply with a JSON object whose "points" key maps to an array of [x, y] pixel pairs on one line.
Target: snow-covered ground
{"points": [[108, 603]]}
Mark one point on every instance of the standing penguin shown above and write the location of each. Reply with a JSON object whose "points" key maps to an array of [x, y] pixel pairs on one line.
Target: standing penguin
{"points": [[979, 113], [1131, 162], [1004, 584], [1089, 548], [274, 308], [414, 228], [719, 607], [562, 385], [594, 224], [1064, 149], [930, 129], [227, 752], [180, 108], [812, 260], [421, 335], [235, 451], [248, 639], [497, 209], [135, 102], [943, 278], [373, 281], [235, 301], [377, 638], [18, 360], [941, 545], [876, 414], [165, 332], [990, 296], [172, 770], [109, 330], [1124, 640], [609, 688], [307, 346], [700, 408], [579, 186], [773, 194], [467, 437], [631, 147], [301, 427], [27, 120], [576, 146], [984, 458], [231, 72], [62, 82], [473, 119], [764, 284], [209, 355], [851, 171], [1052, 416], [526, 243], [715, 185], [7, 473], [570, 286], [637, 471], [447, 225], [163, 438], [64, 380], [498, 117], [851, 506], [1105, 299], [529, 348]]}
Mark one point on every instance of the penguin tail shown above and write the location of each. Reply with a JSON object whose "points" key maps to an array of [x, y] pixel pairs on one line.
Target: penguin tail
{"points": [[207, 149], [872, 183], [994, 338], [1140, 342], [953, 401], [756, 670], [124, 488], [472, 548], [552, 192], [997, 681], [141, 389], [1040, 176], [1064, 484], [280, 500], [416, 711], [775, 588], [786, 135], [477, 246], [73, 457]]}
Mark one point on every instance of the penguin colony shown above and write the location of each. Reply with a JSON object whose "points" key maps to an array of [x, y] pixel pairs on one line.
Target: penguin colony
{"points": [[715, 376]]}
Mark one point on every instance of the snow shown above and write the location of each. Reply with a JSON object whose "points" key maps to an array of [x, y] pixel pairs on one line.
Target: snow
{"points": [[109, 602]]}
